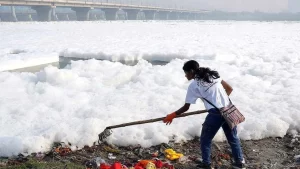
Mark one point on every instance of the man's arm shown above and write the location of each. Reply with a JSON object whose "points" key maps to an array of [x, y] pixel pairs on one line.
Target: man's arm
{"points": [[183, 109], [227, 87], [170, 117]]}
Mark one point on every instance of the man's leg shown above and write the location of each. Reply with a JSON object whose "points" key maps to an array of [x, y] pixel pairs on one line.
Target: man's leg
{"points": [[210, 127], [234, 142]]}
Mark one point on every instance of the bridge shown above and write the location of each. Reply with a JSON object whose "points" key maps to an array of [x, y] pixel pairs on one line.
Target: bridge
{"points": [[45, 10]]}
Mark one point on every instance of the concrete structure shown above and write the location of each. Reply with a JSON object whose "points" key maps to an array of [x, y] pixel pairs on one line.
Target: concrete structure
{"points": [[13, 14], [162, 15], [45, 10], [132, 14], [96, 14], [173, 15], [82, 13], [110, 13], [149, 14]]}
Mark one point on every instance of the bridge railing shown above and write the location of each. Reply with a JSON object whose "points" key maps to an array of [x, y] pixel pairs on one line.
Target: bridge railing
{"points": [[102, 3]]}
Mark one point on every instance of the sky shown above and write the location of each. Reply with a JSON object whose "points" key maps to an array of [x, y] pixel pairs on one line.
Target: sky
{"points": [[294, 5], [249, 5], [239, 5], [226, 5]]}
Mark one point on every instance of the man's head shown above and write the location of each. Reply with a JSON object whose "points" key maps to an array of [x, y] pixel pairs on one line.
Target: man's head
{"points": [[190, 67]]}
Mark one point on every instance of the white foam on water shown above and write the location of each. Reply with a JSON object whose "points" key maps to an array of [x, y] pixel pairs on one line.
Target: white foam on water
{"points": [[75, 104]]}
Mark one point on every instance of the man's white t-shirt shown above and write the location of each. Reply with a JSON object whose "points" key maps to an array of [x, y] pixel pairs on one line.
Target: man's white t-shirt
{"points": [[213, 92]]}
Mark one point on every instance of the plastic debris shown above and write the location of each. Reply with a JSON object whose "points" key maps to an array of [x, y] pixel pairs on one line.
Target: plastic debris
{"points": [[172, 155], [168, 166], [111, 157], [62, 151], [158, 163], [155, 154], [117, 165], [104, 166], [150, 165], [143, 163], [99, 161]]}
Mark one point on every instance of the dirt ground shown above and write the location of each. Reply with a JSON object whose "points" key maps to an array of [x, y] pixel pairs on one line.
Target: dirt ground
{"points": [[277, 153]]}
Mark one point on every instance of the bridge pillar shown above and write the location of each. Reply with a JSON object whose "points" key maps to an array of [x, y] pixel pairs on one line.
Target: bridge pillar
{"points": [[30, 17], [190, 16], [96, 14], [150, 15], [132, 13], [82, 13], [173, 15], [62, 16], [179, 16], [53, 14], [194, 16], [13, 14], [164, 15], [184, 16], [199, 16], [43, 12], [110, 13]]}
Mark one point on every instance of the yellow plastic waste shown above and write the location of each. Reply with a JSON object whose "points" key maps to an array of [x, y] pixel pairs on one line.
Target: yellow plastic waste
{"points": [[172, 155], [150, 166]]}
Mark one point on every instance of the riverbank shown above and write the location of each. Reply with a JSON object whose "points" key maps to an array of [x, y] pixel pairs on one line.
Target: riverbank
{"points": [[277, 153]]}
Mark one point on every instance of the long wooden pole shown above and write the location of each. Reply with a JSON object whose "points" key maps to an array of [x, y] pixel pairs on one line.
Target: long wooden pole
{"points": [[154, 120]]}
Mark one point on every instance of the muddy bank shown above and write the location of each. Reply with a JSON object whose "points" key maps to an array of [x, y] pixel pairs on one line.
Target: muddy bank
{"points": [[277, 153]]}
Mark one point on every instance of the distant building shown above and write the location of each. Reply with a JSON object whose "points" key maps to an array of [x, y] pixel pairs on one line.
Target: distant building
{"points": [[294, 6]]}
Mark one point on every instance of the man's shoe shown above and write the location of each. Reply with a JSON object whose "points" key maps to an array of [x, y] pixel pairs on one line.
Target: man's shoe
{"points": [[239, 166], [201, 165]]}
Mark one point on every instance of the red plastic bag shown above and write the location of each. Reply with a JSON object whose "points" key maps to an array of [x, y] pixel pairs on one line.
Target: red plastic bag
{"points": [[104, 166], [116, 165], [158, 163], [168, 166]]}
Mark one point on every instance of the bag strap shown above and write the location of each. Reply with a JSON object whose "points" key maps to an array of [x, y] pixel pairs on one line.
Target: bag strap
{"points": [[213, 104], [210, 103]]}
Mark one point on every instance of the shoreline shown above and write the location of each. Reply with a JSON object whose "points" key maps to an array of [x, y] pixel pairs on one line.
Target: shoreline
{"points": [[34, 69], [273, 152]]}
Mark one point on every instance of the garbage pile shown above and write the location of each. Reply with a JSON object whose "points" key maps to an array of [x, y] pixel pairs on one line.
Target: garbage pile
{"points": [[107, 156], [138, 158], [285, 153]]}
